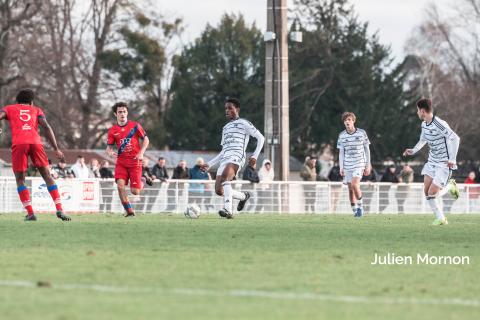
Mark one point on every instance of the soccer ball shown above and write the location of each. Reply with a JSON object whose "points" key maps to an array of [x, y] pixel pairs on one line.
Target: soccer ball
{"points": [[192, 211]]}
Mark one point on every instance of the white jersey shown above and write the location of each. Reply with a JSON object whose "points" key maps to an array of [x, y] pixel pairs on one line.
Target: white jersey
{"points": [[235, 137], [436, 134], [352, 149]]}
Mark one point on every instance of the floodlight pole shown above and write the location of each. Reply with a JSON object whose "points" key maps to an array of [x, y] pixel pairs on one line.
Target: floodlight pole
{"points": [[277, 130]]}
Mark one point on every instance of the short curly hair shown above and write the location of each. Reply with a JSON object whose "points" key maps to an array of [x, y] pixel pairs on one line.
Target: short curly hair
{"points": [[425, 104], [347, 115]]}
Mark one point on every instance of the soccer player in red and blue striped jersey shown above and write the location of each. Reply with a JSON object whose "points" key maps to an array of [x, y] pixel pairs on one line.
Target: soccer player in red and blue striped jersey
{"points": [[24, 119], [131, 142]]}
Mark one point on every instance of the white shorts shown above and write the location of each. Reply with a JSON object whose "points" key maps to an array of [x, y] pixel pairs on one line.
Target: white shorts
{"points": [[439, 173], [350, 174], [224, 163]]}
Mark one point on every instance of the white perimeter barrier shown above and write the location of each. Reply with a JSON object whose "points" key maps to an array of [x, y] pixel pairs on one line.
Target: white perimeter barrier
{"points": [[100, 195]]}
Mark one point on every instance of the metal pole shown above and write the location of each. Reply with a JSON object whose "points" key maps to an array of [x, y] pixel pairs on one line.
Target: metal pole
{"points": [[277, 129]]}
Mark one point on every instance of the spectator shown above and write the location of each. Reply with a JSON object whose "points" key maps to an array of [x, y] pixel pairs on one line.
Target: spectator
{"points": [[106, 187], [265, 196], [470, 178], [334, 176], [388, 176], [95, 168], [52, 171], [250, 174], [309, 173], [147, 175], [80, 169], [105, 172], [197, 190], [159, 170], [62, 171], [406, 177], [181, 171], [148, 196], [369, 189]]}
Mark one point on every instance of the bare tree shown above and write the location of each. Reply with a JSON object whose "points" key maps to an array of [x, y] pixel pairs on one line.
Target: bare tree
{"points": [[447, 54]]}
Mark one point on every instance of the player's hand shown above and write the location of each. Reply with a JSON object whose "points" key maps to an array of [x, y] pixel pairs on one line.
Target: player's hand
{"points": [[111, 153], [342, 172], [59, 154], [451, 164], [367, 171], [407, 152], [204, 167], [252, 161]]}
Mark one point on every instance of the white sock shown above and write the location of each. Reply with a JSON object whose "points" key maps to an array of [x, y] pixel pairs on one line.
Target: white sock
{"points": [[227, 196], [354, 207], [432, 201], [238, 195], [444, 190], [360, 202]]}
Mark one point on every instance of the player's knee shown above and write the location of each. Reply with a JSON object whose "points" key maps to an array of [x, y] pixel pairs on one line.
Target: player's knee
{"points": [[135, 191], [219, 191]]}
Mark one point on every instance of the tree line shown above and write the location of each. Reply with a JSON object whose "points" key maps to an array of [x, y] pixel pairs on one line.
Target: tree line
{"points": [[80, 57]]}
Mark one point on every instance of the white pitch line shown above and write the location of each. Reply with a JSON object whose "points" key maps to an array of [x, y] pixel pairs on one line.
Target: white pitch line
{"points": [[276, 295]]}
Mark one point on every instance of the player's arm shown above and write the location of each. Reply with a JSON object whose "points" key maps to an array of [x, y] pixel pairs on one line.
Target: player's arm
{"points": [[212, 162], [50, 136], [341, 155], [453, 143], [260, 142], [111, 152], [145, 142], [366, 149], [422, 142]]}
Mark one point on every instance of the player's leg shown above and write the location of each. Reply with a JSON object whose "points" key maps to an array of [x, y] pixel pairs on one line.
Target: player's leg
{"points": [[357, 195], [351, 197], [223, 187], [121, 179], [122, 194], [431, 191], [19, 167], [53, 190], [24, 195], [135, 182]]}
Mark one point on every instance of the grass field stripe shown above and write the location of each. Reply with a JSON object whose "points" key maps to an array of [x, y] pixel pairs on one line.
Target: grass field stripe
{"points": [[278, 295]]}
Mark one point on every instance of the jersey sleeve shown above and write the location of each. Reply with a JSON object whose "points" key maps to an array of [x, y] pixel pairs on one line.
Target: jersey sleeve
{"points": [[250, 128], [444, 128], [110, 138], [339, 142], [140, 131], [40, 113], [366, 141]]}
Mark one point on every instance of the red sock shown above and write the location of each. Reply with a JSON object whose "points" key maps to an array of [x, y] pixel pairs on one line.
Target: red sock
{"points": [[25, 198], [53, 190], [128, 207]]}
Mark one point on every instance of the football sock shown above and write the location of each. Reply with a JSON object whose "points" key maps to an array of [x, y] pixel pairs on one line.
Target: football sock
{"points": [[354, 207], [25, 199], [128, 207], [238, 195], [444, 190], [360, 202], [227, 196], [53, 190], [432, 201]]}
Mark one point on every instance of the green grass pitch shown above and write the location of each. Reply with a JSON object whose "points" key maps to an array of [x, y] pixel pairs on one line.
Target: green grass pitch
{"points": [[251, 267]]}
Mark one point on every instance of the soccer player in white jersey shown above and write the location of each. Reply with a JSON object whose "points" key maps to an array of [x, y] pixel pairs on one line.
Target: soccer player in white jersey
{"points": [[235, 136], [443, 144], [354, 159]]}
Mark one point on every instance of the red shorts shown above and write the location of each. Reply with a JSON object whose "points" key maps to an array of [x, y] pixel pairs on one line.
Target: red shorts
{"points": [[21, 152], [134, 174]]}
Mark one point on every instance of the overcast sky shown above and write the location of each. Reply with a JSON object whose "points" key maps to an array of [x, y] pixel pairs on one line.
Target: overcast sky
{"points": [[393, 19]]}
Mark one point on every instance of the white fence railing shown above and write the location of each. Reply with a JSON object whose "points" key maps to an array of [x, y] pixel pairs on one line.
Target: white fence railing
{"points": [[100, 195]]}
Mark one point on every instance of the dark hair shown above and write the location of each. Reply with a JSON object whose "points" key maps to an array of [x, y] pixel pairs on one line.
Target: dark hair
{"points": [[25, 96], [79, 157], [161, 158], [119, 105], [234, 101], [425, 104]]}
